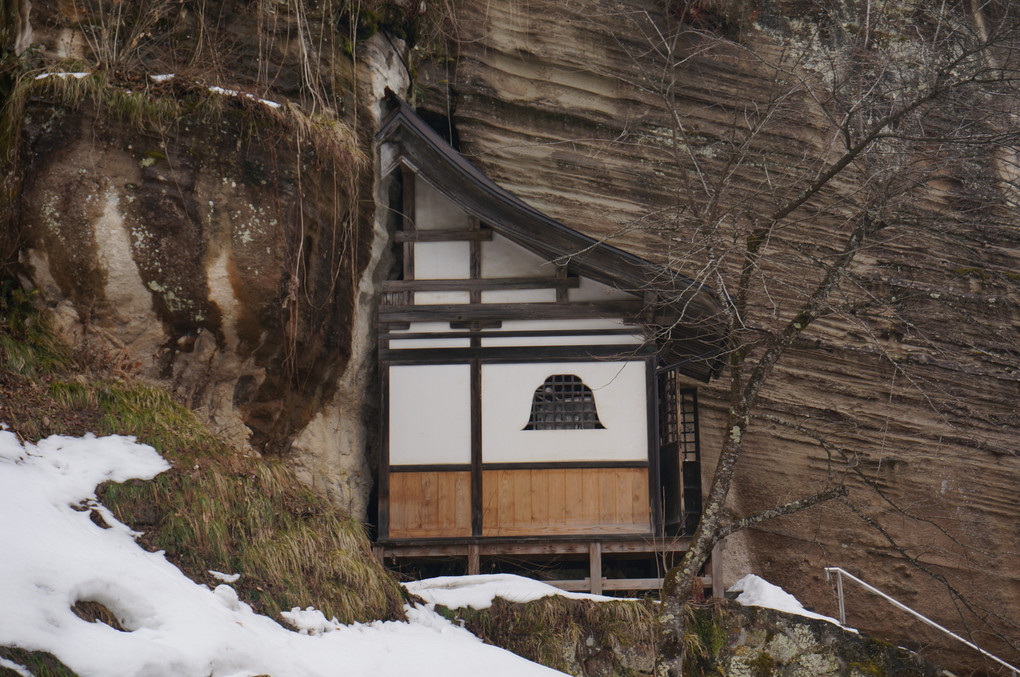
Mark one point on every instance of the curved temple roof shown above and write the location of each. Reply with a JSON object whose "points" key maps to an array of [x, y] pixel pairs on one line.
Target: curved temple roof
{"points": [[684, 313]]}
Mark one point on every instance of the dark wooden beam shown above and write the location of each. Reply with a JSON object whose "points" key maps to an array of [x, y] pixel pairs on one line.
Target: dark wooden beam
{"points": [[512, 311], [441, 235], [515, 354], [408, 225], [482, 284], [432, 547], [476, 446], [652, 405], [431, 467], [564, 465], [383, 515], [387, 335], [475, 263]]}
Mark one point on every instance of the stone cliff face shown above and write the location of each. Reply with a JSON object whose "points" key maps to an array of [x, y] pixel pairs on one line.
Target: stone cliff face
{"points": [[576, 109], [211, 241], [190, 190]]}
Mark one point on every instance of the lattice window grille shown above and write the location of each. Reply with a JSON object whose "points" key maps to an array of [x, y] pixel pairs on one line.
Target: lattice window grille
{"points": [[688, 429], [563, 402], [669, 409]]}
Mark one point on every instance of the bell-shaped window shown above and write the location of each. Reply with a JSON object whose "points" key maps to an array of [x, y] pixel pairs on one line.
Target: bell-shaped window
{"points": [[563, 402]]}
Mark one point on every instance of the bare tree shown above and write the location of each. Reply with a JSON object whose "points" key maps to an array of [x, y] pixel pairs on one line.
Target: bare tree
{"points": [[908, 138]]}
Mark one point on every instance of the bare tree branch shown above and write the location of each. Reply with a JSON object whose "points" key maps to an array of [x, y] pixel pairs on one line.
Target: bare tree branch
{"points": [[780, 510]]}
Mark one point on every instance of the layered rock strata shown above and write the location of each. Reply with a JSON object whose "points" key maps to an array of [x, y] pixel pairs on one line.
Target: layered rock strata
{"points": [[589, 114]]}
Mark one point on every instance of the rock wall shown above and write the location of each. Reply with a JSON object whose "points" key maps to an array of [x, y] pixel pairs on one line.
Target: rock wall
{"points": [[212, 228], [756, 642], [565, 106], [600, 639], [228, 248]]}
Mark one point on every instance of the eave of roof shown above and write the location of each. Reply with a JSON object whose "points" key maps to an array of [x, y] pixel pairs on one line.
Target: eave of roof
{"points": [[696, 313]]}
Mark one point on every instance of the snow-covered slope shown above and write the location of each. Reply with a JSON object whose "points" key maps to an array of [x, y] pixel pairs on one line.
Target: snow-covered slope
{"points": [[56, 552]]}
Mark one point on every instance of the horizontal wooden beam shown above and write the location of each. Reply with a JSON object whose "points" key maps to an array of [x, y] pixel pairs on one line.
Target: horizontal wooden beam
{"points": [[626, 331], [430, 467], [573, 585], [485, 284], [444, 235], [568, 353], [631, 583], [463, 312], [584, 584], [564, 465], [435, 547]]}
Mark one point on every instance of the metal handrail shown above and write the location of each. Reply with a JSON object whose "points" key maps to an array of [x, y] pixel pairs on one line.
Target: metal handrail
{"points": [[899, 605]]}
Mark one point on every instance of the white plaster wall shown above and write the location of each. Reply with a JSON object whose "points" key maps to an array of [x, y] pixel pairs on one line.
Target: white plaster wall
{"points": [[590, 290], [426, 327], [619, 390], [442, 260], [562, 325], [398, 344], [519, 296], [503, 258], [437, 298], [432, 211], [430, 414]]}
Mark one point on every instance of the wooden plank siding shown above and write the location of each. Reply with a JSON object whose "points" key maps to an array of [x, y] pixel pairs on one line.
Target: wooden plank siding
{"points": [[542, 502], [430, 504]]}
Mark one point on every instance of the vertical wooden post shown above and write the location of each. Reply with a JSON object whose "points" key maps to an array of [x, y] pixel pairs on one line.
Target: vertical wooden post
{"points": [[383, 513], [655, 482], [595, 564], [475, 259], [408, 224], [561, 286], [474, 560], [476, 444]]}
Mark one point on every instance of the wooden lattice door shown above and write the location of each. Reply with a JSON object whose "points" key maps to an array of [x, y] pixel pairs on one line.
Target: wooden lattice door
{"points": [[679, 455]]}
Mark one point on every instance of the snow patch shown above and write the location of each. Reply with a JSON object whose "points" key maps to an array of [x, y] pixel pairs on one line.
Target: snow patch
{"points": [[224, 578], [756, 591], [63, 75], [478, 592], [234, 92], [17, 668], [309, 621]]}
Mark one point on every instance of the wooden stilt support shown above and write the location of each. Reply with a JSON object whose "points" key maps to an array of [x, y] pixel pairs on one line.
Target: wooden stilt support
{"points": [[474, 561], [595, 564]]}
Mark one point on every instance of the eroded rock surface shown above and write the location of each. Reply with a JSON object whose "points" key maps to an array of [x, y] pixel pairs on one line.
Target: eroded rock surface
{"points": [[757, 642], [219, 254], [567, 106], [212, 228]]}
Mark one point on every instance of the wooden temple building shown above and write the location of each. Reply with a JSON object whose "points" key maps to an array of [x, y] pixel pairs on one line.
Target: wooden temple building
{"points": [[537, 385]]}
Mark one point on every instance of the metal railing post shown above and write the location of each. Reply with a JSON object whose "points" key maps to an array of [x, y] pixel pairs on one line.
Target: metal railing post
{"points": [[903, 607], [839, 591]]}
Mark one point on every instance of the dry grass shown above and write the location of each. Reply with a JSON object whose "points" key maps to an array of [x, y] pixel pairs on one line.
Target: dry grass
{"points": [[39, 663], [233, 514], [28, 347], [216, 508], [580, 637]]}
